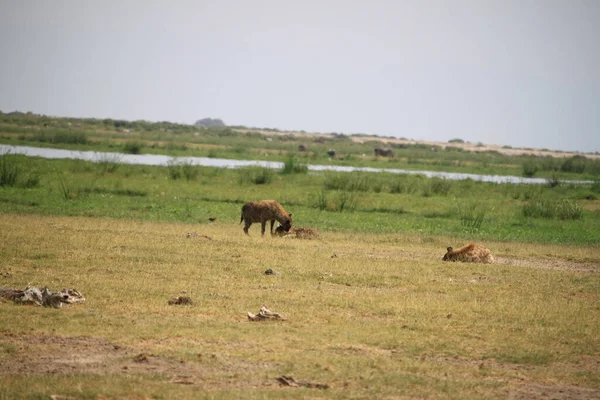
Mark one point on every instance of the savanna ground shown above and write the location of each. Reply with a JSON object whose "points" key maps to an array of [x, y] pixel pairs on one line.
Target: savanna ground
{"points": [[371, 310]]}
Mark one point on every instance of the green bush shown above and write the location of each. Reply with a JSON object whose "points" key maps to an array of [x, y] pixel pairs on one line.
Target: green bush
{"points": [[575, 164], [353, 182], [530, 168], [405, 184], [321, 200], [472, 215], [564, 209], [9, 170], [293, 166], [568, 209], [256, 175], [438, 186], [132, 147]]}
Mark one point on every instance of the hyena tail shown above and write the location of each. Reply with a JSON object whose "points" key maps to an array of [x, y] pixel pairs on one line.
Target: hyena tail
{"points": [[242, 218]]}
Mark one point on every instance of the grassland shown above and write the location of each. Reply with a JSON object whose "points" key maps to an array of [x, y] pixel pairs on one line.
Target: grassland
{"points": [[372, 311]]}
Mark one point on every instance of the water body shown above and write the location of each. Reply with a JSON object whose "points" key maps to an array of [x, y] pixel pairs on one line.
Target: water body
{"points": [[162, 160]]}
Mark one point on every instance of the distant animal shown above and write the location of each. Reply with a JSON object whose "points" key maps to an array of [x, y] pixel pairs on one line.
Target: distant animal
{"points": [[263, 211], [302, 147], [212, 219], [331, 153], [470, 253], [384, 152], [300, 233]]}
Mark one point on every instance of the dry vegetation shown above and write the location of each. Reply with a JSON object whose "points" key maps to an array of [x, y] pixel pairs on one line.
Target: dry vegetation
{"points": [[368, 315]]}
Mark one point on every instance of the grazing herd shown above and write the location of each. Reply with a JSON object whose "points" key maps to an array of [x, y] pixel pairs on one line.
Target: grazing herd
{"points": [[270, 210]]}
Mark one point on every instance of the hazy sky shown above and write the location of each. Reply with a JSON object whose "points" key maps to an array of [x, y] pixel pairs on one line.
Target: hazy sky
{"points": [[524, 73]]}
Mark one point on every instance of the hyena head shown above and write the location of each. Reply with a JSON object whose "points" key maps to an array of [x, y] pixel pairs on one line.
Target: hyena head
{"points": [[280, 231], [286, 223], [448, 255]]}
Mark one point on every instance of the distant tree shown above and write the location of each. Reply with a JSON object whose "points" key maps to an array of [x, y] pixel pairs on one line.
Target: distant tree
{"points": [[209, 122], [456, 140]]}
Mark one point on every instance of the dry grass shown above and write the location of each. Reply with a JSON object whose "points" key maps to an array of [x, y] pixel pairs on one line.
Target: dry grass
{"points": [[372, 316]]}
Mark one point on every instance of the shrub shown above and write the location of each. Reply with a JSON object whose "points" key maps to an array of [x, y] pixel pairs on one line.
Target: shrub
{"points": [[352, 182], [60, 136], [186, 169], [293, 166], [437, 186], [574, 164], [9, 170], [346, 201], [472, 215], [405, 184], [568, 209], [530, 168], [67, 191], [132, 147], [540, 207], [256, 175], [553, 181], [321, 200], [108, 163]]}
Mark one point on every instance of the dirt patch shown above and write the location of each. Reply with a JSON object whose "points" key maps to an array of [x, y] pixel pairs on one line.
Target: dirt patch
{"points": [[556, 264], [39, 355], [555, 392]]}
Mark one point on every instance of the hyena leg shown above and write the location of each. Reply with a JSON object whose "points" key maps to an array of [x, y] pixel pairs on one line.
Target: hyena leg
{"points": [[272, 223], [246, 226], [263, 225]]}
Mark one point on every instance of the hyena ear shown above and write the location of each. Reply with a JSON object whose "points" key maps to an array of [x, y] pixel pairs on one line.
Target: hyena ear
{"points": [[290, 215], [449, 249]]}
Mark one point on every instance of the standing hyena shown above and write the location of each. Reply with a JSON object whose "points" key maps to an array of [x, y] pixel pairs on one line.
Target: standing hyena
{"points": [[470, 253], [263, 211]]}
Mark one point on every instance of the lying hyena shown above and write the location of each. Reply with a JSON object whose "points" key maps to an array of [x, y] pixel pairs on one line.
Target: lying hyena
{"points": [[263, 211], [300, 233], [470, 253]]}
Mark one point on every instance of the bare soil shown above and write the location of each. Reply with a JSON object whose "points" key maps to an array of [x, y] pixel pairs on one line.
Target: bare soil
{"points": [[41, 355]]}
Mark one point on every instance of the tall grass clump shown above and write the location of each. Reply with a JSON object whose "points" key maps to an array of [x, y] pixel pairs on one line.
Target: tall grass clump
{"points": [[437, 186], [60, 136], [540, 207], [321, 200], [108, 163], [530, 168], [472, 215], [345, 201], [12, 173], [256, 175], [405, 184], [575, 164], [9, 170], [67, 191], [132, 147], [293, 166], [182, 169], [595, 187], [351, 182]]}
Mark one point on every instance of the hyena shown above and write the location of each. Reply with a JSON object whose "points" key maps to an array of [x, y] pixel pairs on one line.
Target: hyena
{"points": [[470, 253], [263, 211], [300, 233]]}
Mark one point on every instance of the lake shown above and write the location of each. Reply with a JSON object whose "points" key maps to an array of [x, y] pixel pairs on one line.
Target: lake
{"points": [[158, 160]]}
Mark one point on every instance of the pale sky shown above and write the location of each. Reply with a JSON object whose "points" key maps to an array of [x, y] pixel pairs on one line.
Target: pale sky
{"points": [[523, 73]]}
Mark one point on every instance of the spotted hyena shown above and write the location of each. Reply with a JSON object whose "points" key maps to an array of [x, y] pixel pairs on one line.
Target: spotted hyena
{"points": [[263, 211], [470, 253], [300, 233]]}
